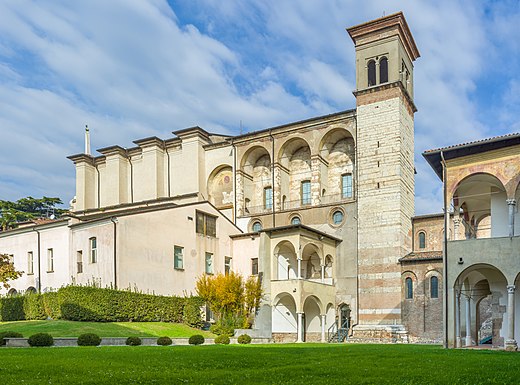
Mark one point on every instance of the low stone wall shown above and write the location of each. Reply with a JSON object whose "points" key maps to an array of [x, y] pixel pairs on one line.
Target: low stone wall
{"points": [[284, 337], [117, 341]]}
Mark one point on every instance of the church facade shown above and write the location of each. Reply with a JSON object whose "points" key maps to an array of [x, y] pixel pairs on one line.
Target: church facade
{"points": [[322, 210]]}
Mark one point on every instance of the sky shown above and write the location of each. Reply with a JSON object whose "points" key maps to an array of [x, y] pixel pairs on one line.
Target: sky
{"points": [[131, 69]]}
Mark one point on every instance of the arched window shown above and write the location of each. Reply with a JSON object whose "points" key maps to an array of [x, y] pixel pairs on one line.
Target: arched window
{"points": [[383, 70], [371, 73], [296, 221], [257, 226], [422, 240], [434, 287], [409, 288]]}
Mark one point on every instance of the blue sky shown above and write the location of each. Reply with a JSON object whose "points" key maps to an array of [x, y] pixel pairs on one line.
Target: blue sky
{"points": [[132, 69]]}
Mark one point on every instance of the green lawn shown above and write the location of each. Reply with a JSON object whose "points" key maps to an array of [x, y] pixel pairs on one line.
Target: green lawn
{"points": [[260, 364], [103, 329]]}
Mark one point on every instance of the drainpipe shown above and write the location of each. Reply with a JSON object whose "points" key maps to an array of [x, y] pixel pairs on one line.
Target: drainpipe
{"points": [[114, 221], [445, 256], [39, 264], [234, 181], [272, 176]]}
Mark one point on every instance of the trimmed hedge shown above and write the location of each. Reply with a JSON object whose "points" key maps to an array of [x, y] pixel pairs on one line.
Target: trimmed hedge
{"points": [[244, 339], [41, 339], [196, 339], [89, 339], [8, 334], [164, 341], [222, 340], [133, 341], [87, 303]]}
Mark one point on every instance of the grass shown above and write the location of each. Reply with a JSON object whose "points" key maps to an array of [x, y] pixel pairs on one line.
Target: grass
{"points": [[260, 364], [108, 329]]}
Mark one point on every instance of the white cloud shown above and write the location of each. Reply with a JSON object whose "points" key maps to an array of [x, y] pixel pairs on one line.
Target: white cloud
{"points": [[131, 69]]}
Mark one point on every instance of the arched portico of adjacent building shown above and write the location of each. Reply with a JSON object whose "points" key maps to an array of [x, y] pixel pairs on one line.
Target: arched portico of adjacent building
{"points": [[472, 286]]}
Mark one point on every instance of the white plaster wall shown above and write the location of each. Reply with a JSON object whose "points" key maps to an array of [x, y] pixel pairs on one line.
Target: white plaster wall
{"points": [[499, 215], [20, 242], [284, 317]]}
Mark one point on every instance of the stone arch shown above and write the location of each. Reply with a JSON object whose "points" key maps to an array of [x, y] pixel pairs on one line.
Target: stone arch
{"points": [[312, 310], [475, 283], [478, 195], [337, 147], [329, 266], [31, 290], [284, 310], [285, 261], [330, 315], [254, 177], [220, 186], [409, 284], [12, 292], [295, 172], [311, 261]]}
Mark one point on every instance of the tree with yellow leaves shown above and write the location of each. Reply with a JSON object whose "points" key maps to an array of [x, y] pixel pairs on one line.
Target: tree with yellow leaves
{"points": [[232, 300], [7, 271]]}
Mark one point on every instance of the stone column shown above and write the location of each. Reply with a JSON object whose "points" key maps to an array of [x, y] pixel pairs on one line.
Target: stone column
{"points": [[456, 224], [510, 341], [299, 329], [299, 256], [322, 273], [323, 324], [457, 319], [468, 320], [511, 203]]}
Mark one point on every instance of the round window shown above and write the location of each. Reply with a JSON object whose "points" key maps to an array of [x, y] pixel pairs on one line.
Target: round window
{"points": [[257, 226], [337, 217], [296, 221]]}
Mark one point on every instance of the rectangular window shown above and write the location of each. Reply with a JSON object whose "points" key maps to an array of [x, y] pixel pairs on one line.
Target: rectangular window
{"points": [[306, 192], [79, 261], [268, 198], [254, 266], [93, 250], [227, 265], [30, 263], [50, 260], [209, 263], [346, 186], [206, 224], [178, 257]]}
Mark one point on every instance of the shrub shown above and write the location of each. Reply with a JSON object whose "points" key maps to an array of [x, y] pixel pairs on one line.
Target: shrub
{"points": [[196, 339], [164, 341], [11, 308], [51, 305], [89, 339], [8, 334], [33, 307], [244, 339], [133, 341], [191, 314], [41, 339], [222, 340]]}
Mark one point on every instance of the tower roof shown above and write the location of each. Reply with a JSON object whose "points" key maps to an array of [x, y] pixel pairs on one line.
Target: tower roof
{"points": [[385, 26]]}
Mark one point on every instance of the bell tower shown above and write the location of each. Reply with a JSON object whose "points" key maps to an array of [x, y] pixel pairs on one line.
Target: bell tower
{"points": [[385, 52]]}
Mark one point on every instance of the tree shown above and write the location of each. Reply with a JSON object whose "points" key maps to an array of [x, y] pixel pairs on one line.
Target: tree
{"points": [[232, 301], [26, 209], [7, 271]]}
